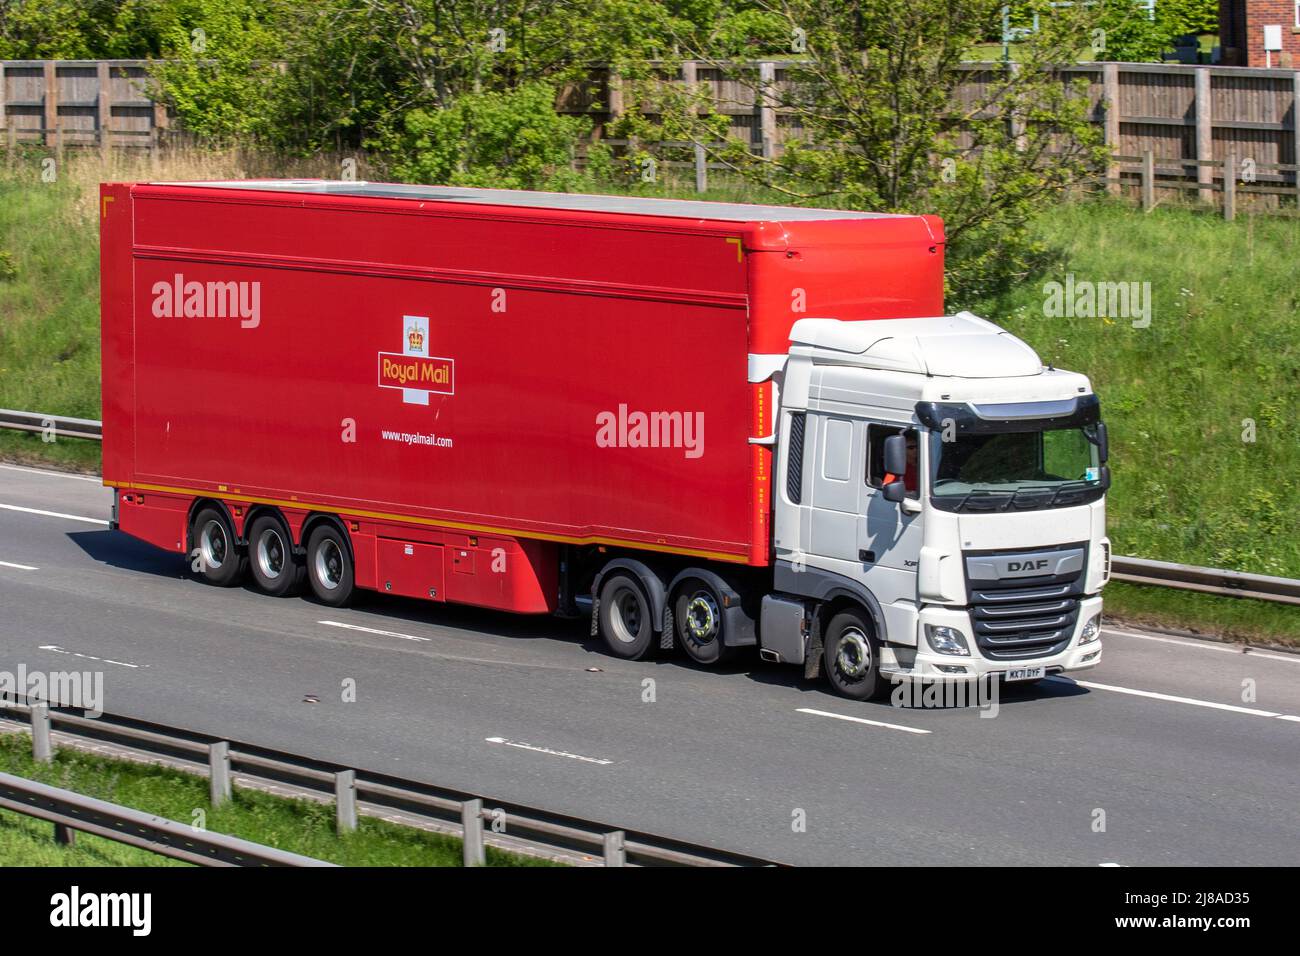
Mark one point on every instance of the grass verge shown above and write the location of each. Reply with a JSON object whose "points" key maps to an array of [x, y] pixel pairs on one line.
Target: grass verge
{"points": [[1235, 619], [300, 826]]}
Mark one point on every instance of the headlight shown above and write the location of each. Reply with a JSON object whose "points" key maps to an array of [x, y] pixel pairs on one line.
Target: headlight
{"points": [[1091, 630], [947, 640]]}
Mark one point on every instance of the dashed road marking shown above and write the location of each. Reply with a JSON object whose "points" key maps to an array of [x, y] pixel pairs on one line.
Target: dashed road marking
{"points": [[56, 649], [548, 750], [20, 567], [374, 630], [861, 720]]}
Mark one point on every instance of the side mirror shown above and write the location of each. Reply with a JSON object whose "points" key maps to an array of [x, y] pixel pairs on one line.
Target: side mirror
{"points": [[1103, 443], [895, 453], [895, 491]]}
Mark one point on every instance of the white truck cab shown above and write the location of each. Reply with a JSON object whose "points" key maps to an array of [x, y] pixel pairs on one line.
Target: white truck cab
{"points": [[934, 472]]}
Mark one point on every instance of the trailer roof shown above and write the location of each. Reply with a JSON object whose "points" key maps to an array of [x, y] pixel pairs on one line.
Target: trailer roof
{"points": [[633, 205]]}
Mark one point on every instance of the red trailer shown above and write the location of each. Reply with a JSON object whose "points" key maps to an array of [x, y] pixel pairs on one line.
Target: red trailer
{"points": [[463, 395]]}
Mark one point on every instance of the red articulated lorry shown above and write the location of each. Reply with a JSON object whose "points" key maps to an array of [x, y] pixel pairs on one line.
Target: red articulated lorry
{"points": [[543, 402]]}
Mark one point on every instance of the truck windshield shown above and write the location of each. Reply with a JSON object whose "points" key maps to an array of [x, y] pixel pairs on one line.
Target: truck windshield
{"points": [[1014, 469]]}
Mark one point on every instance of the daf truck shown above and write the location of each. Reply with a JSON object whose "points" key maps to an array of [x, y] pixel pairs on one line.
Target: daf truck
{"points": [[712, 426]]}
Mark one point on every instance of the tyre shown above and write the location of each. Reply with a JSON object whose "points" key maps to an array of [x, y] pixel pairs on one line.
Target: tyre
{"points": [[329, 566], [625, 618], [270, 556], [852, 656], [218, 560], [699, 622]]}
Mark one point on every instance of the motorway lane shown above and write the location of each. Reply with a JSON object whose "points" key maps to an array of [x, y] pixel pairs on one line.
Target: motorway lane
{"points": [[725, 758]]}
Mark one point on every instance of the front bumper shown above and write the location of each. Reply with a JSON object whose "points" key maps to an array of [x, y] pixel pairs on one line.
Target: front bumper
{"points": [[928, 665]]}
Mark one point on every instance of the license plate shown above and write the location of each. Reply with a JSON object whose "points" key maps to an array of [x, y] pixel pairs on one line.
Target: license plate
{"points": [[1025, 673]]}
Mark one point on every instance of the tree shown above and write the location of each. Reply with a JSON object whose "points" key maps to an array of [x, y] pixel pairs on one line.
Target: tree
{"points": [[892, 120]]}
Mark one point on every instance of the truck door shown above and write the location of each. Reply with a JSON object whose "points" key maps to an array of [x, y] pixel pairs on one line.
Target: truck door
{"points": [[837, 488]]}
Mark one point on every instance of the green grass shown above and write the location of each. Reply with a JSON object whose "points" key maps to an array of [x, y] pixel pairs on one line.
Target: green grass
{"points": [[300, 826], [1239, 619], [1221, 348]]}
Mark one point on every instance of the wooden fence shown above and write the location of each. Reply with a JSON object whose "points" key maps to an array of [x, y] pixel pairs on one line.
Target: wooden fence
{"points": [[66, 103], [1192, 119]]}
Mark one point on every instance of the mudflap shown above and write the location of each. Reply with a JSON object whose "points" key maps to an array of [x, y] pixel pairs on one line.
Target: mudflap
{"points": [[812, 661]]}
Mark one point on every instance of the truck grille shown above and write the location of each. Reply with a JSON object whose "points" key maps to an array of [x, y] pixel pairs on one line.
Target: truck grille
{"points": [[1026, 617]]}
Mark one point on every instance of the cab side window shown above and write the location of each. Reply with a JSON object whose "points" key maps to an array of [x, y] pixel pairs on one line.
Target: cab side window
{"points": [[875, 470]]}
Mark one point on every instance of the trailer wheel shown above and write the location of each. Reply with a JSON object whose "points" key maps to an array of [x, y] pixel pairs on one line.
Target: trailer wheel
{"points": [[219, 561], [270, 556], [329, 566], [852, 656], [700, 623], [625, 622]]}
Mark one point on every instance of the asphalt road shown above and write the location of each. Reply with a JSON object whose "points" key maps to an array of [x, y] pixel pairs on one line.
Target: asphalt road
{"points": [[1157, 744]]}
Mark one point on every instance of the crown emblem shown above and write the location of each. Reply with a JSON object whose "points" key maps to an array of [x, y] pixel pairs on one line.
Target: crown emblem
{"points": [[415, 339]]}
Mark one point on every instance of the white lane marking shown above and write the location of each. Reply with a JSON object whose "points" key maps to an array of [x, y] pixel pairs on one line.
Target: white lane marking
{"points": [[20, 567], [1111, 864], [547, 750], [373, 630], [54, 514], [54, 474], [861, 720], [54, 648], [1233, 708], [1238, 649]]}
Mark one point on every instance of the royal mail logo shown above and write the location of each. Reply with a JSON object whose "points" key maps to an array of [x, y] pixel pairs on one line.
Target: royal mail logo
{"points": [[412, 370]]}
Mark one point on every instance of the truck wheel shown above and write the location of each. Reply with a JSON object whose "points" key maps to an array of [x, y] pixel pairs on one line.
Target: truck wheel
{"points": [[852, 656], [271, 558], [329, 566], [701, 627], [625, 618], [220, 562]]}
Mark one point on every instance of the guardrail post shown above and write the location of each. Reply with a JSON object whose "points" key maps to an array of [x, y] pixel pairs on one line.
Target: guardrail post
{"points": [[471, 819], [218, 773], [1230, 187], [42, 752], [1148, 180], [345, 800], [615, 849], [64, 835]]}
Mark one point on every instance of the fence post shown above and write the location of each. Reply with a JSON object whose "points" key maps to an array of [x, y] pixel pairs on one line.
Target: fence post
{"points": [[767, 107], [1015, 120], [50, 114], [1110, 129], [1295, 130], [41, 750], [218, 773], [345, 800], [471, 819], [105, 111], [614, 92], [615, 849], [1204, 136], [1148, 180], [701, 169], [1230, 186]]}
